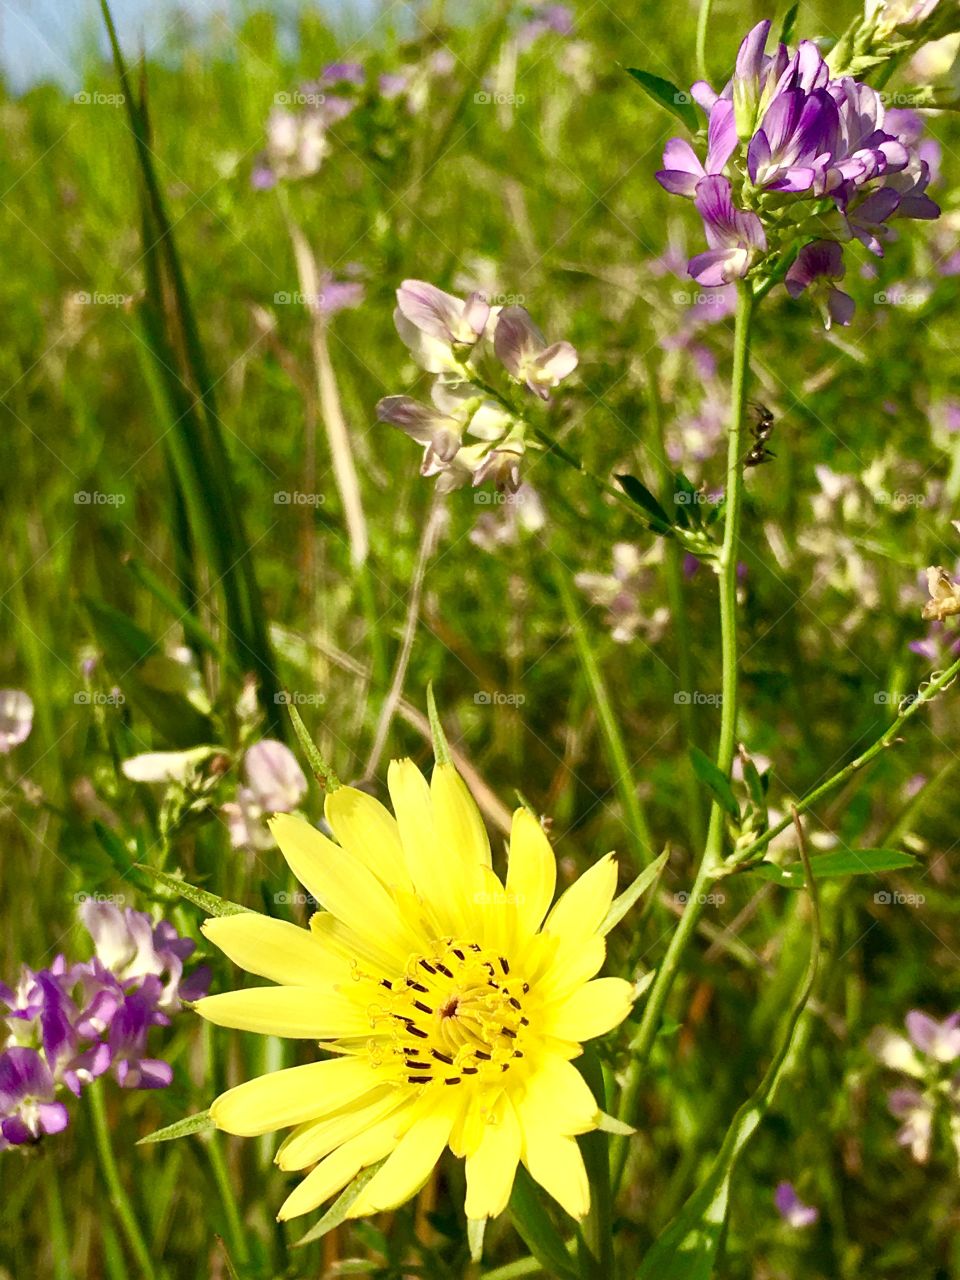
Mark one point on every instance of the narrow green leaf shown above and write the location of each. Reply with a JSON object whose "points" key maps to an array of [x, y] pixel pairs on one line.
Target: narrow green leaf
{"points": [[838, 862], [610, 1124], [789, 24], [640, 495], [626, 900], [712, 777], [202, 1122], [338, 1211], [325, 775], [441, 750], [476, 1230], [664, 92], [206, 901], [536, 1229]]}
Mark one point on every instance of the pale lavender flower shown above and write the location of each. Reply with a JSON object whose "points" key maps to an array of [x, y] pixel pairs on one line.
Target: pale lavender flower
{"points": [[437, 327], [28, 1106], [132, 947], [555, 19], [736, 238], [792, 1209], [683, 168], [916, 1111], [817, 266], [275, 783], [523, 351], [343, 73], [627, 594], [16, 718]]}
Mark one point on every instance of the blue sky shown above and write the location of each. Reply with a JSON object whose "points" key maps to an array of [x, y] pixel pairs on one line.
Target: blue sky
{"points": [[42, 39]]}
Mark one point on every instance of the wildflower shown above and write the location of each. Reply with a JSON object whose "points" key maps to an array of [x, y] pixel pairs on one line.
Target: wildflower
{"points": [[795, 156], [523, 351], [626, 594], [792, 1209], [818, 264], [181, 767], [472, 432], [944, 599], [522, 512], [132, 947], [274, 784], [16, 718], [451, 1007], [28, 1108], [929, 1053], [735, 238]]}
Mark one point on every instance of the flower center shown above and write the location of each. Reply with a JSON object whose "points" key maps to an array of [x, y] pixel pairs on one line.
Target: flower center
{"points": [[455, 1014]]}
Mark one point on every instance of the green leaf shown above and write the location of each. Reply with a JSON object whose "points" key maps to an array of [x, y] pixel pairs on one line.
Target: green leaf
{"points": [[476, 1229], [441, 749], [536, 1229], [338, 1211], [639, 494], [838, 862], [202, 1122], [789, 24], [324, 774], [687, 500], [623, 903], [667, 94], [206, 901], [712, 777]]}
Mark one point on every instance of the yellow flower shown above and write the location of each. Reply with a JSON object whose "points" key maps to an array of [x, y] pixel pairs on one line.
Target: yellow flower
{"points": [[451, 1007]]}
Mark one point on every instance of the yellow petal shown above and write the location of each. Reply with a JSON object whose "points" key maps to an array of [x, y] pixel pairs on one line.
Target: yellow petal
{"points": [[557, 1097], [292, 1096], [555, 1162], [493, 1166], [429, 867], [275, 949], [301, 1013], [310, 1142], [531, 871], [457, 820], [580, 911], [592, 1010], [414, 1157], [369, 831], [571, 967], [342, 884], [332, 1174]]}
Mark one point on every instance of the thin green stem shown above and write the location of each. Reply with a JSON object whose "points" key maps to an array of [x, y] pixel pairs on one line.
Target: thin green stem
{"points": [[116, 1191], [703, 26], [926, 694], [642, 1043], [60, 1243], [673, 573], [637, 824], [234, 1222]]}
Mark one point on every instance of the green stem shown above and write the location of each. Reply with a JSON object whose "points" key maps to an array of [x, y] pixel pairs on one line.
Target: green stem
{"points": [[703, 24], [637, 825], [673, 573], [119, 1199], [642, 1043], [886, 739], [221, 1176], [59, 1238]]}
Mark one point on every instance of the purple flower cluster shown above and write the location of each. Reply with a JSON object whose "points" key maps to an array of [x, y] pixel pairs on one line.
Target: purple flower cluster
{"points": [[466, 342], [797, 163], [73, 1022]]}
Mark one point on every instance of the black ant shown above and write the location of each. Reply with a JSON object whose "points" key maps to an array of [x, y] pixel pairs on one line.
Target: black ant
{"points": [[762, 430]]}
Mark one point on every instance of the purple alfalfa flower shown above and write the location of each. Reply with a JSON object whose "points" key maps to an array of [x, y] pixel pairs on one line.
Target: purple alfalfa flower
{"points": [[458, 409], [16, 718], [792, 1209], [938, 1041], [28, 1106], [555, 19], [523, 351], [339, 295], [127, 1039], [682, 167], [133, 949], [736, 237], [818, 265], [343, 73], [437, 327]]}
